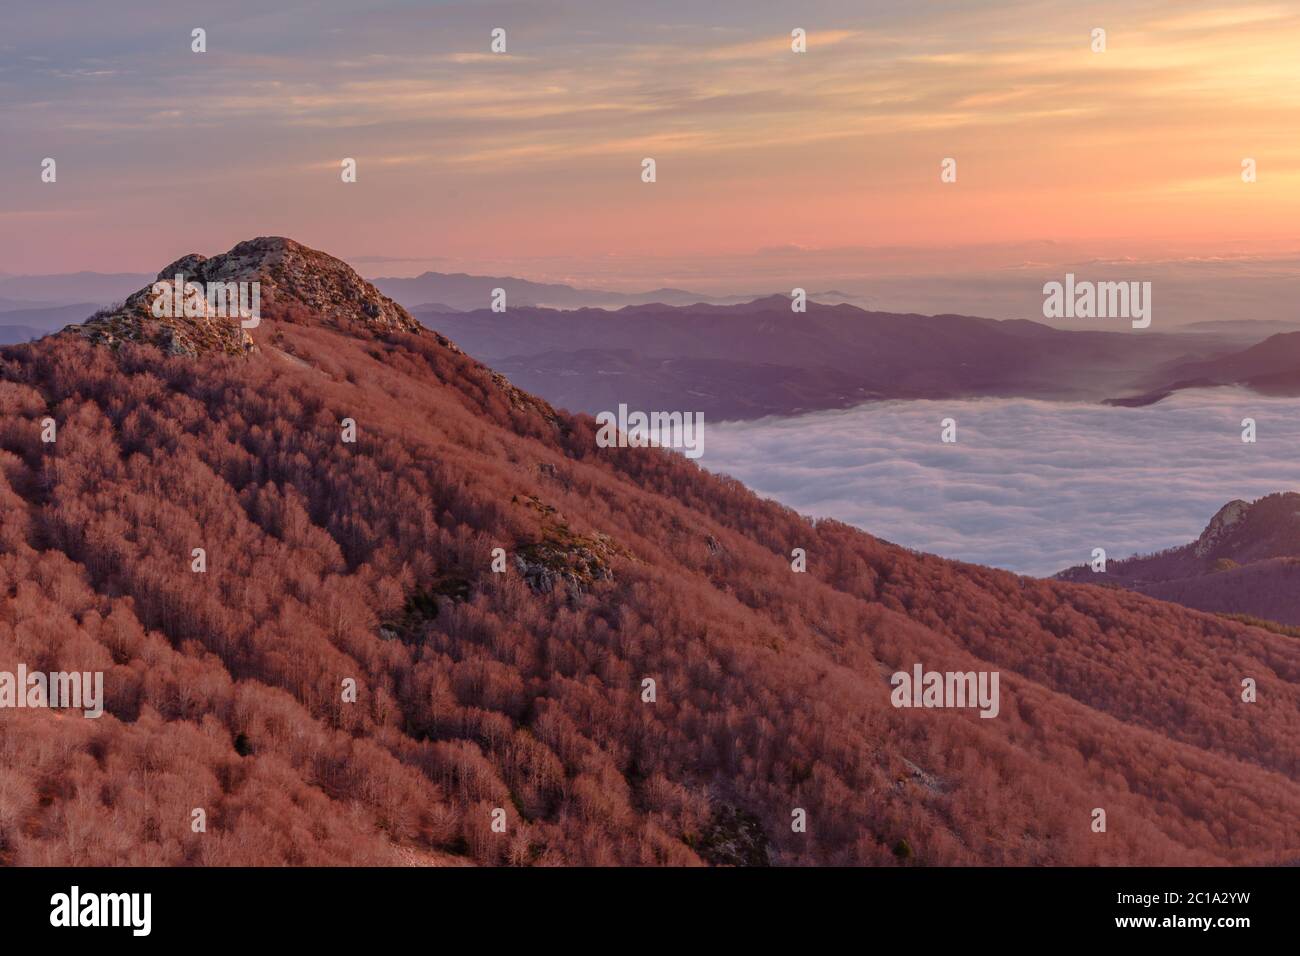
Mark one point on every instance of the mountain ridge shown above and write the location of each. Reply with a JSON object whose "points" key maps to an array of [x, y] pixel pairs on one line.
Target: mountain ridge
{"points": [[761, 348], [465, 292], [1245, 562], [1270, 367], [523, 690]]}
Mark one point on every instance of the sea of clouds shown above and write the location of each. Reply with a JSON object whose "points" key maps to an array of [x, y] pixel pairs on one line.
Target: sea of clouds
{"points": [[1029, 486]]}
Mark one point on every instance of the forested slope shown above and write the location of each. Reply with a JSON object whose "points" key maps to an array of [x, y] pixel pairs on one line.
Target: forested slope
{"points": [[372, 560]]}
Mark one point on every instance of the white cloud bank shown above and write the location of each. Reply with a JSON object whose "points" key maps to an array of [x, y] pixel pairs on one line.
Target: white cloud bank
{"points": [[1030, 486]]}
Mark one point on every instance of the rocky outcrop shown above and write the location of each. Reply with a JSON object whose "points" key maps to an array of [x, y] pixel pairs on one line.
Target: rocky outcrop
{"points": [[561, 558], [1227, 516], [294, 282], [547, 565], [733, 837], [135, 321]]}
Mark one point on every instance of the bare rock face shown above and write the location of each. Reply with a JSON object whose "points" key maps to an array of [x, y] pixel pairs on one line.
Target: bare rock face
{"points": [[134, 321], [293, 281], [560, 557], [1228, 515]]}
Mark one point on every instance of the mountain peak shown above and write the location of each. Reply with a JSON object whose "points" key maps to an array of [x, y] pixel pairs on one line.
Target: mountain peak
{"points": [[1247, 531], [294, 283], [1223, 520]]}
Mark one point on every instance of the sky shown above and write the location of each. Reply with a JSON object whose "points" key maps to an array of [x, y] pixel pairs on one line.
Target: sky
{"points": [[819, 168], [1028, 486]]}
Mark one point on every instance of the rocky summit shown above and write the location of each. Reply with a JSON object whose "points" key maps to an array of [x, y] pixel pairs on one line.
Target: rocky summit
{"points": [[294, 283]]}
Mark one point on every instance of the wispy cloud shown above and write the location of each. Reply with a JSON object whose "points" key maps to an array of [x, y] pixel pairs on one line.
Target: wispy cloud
{"points": [[836, 146]]}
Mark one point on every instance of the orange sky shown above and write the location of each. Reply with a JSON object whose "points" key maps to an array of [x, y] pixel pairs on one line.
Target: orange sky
{"points": [[530, 161]]}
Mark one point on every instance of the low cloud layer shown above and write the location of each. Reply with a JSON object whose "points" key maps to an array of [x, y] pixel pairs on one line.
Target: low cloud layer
{"points": [[1030, 486]]}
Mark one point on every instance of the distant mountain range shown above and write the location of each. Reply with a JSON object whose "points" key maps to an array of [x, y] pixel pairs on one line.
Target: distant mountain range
{"points": [[9, 334], [760, 358], [434, 292], [10, 305], [1253, 329], [32, 306], [1247, 562], [101, 288], [1271, 367], [735, 357], [459, 292], [21, 325]]}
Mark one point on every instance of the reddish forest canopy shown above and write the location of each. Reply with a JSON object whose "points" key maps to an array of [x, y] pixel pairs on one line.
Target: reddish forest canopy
{"points": [[522, 691]]}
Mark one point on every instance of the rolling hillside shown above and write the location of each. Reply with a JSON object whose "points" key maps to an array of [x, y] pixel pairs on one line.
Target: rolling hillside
{"points": [[523, 690]]}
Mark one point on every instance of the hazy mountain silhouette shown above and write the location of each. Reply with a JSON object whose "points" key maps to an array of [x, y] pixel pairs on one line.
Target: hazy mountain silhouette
{"points": [[594, 380], [1271, 367], [47, 318], [10, 334], [759, 358], [11, 305], [69, 288], [462, 292], [1249, 330], [638, 676]]}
